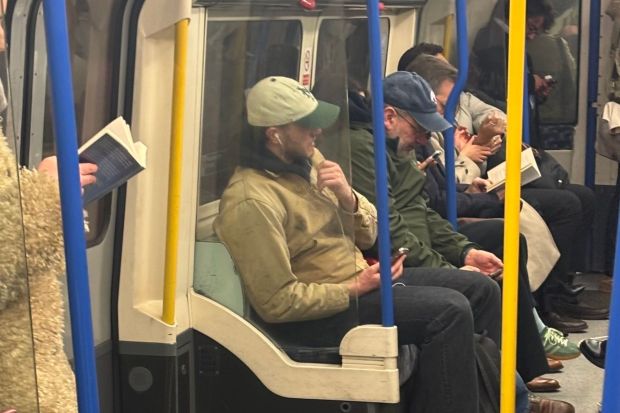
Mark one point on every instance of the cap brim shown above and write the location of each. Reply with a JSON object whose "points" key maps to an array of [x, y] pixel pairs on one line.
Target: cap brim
{"points": [[432, 122], [323, 116]]}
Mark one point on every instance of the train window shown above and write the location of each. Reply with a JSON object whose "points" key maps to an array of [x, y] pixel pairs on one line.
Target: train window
{"points": [[555, 53], [354, 32], [92, 37], [239, 53]]}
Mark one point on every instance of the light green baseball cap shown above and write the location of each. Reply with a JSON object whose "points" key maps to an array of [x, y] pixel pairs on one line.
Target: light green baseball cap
{"points": [[277, 100]]}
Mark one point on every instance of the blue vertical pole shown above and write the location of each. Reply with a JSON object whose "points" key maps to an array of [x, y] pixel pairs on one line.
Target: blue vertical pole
{"points": [[451, 104], [376, 81], [611, 396], [526, 106], [57, 40], [593, 59]]}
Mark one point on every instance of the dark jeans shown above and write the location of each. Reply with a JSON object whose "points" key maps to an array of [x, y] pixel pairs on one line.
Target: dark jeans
{"points": [[433, 309], [431, 313], [580, 259], [531, 359]]}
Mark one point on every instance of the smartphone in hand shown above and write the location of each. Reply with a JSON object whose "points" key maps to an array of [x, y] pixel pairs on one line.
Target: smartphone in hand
{"points": [[401, 251], [496, 274]]}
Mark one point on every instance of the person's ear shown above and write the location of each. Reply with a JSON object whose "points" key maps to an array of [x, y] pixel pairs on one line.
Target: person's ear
{"points": [[389, 118], [273, 135]]}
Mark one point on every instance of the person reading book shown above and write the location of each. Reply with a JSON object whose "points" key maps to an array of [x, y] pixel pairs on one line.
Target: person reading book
{"points": [[117, 156], [410, 114], [567, 212]]}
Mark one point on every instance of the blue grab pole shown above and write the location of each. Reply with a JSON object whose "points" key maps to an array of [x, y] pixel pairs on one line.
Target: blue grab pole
{"points": [[376, 78], [611, 396], [451, 104], [593, 61], [57, 40], [526, 106]]}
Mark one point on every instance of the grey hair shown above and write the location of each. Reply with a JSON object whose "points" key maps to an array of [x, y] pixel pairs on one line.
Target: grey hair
{"points": [[433, 69]]}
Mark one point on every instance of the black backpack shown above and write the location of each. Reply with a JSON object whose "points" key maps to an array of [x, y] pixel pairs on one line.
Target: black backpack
{"points": [[488, 367]]}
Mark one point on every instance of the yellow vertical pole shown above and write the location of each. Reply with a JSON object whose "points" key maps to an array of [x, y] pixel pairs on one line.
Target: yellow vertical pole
{"points": [[176, 170], [448, 35], [516, 50]]}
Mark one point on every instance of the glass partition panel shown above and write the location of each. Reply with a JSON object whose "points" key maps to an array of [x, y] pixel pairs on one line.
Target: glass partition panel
{"points": [[555, 56], [281, 242], [18, 384], [553, 48]]}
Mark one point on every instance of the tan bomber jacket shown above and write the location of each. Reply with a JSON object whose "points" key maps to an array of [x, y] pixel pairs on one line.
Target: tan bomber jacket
{"points": [[292, 244]]}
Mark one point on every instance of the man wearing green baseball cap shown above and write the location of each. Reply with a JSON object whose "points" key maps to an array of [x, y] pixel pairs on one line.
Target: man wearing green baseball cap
{"points": [[294, 228]]}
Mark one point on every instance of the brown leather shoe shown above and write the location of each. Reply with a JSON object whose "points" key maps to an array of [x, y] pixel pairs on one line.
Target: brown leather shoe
{"points": [[554, 365], [563, 323], [543, 384], [540, 405], [580, 311]]}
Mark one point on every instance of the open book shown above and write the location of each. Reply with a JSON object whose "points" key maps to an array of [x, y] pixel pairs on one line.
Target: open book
{"points": [[116, 155], [529, 171]]}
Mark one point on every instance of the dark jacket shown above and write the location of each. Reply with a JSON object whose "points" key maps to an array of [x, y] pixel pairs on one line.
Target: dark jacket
{"points": [[431, 240], [479, 205]]}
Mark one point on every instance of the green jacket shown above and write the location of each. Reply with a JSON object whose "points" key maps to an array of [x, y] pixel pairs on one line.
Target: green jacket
{"points": [[431, 240], [291, 243]]}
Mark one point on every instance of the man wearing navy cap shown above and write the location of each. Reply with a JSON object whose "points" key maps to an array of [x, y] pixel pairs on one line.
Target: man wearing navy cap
{"points": [[410, 115]]}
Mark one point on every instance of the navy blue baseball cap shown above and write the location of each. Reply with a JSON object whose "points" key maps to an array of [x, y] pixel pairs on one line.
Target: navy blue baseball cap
{"points": [[409, 92]]}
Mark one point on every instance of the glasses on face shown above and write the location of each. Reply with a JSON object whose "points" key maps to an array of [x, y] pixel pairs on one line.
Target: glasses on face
{"points": [[419, 130]]}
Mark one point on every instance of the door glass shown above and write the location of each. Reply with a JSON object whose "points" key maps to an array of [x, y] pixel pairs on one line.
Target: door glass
{"points": [[239, 53], [93, 40]]}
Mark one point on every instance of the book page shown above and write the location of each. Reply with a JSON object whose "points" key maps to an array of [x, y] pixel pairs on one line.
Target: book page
{"points": [[529, 171], [119, 130]]}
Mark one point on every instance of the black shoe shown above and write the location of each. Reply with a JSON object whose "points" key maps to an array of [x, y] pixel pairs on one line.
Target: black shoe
{"points": [[564, 324], [580, 310], [594, 350], [565, 289]]}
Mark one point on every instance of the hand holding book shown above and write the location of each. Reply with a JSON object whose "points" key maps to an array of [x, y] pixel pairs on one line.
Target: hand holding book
{"points": [[49, 166], [116, 156], [529, 171]]}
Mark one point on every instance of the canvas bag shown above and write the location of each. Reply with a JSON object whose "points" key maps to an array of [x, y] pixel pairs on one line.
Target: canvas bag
{"points": [[543, 254]]}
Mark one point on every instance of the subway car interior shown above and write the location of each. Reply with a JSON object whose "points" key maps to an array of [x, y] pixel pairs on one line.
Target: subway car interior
{"points": [[173, 329]]}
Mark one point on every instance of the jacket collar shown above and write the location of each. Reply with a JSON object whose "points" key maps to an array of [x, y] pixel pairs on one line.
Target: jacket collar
{"points": [[264, 159]]}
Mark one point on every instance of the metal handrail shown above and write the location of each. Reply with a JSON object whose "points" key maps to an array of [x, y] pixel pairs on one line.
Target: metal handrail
{"points": [[57, 39], [176, 171], [451, 105], [593, 68], [516, 49], [611, 397], [376, 77]]}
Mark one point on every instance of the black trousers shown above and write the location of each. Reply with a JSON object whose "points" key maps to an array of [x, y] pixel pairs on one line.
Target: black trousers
{"points": [[580, 259], [436, 309], [562, 212], [531, 359]]}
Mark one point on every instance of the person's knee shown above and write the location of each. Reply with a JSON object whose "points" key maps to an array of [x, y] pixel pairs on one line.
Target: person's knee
{"points": [[484, 286], [569, 203], [457, 308]]}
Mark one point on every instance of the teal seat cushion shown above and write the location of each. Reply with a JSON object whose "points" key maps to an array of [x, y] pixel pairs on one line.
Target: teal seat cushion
{"points": [[215, 276]]}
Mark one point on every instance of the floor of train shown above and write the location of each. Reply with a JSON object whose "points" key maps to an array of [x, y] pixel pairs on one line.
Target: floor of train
{"points": [[582, 381]]}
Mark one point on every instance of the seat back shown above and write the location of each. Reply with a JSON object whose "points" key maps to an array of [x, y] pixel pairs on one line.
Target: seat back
{"points": [[215, 276]]}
